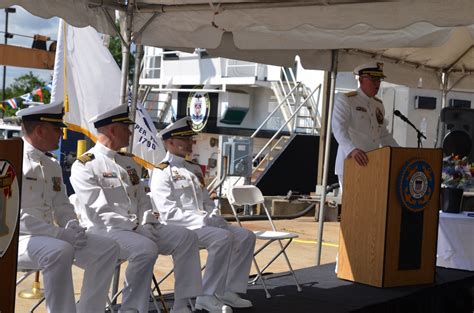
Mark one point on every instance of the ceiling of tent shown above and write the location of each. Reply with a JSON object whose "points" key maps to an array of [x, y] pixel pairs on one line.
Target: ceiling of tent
{"points": [[425, 36]]}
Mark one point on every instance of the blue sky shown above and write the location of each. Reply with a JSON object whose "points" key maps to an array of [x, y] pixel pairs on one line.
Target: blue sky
{"points": [[26, 24]]}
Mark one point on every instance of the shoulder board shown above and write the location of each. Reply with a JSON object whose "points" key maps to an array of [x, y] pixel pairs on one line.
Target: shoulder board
{"points": [[377, 99], [163, 165], [50, 155], [351, 94], [125, 154], [86, 158]]}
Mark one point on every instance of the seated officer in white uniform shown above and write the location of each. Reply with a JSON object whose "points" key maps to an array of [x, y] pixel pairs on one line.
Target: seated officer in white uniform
{"points": [[108, 186], [51, 238], [358, 121], [179, 194]]}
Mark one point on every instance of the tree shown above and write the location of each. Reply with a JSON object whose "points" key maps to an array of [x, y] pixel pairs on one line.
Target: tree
{"points": [[25, 84], [115, 48]]}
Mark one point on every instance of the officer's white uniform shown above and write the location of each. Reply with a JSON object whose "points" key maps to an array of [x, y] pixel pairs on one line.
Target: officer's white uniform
{"points": [[358, 122], [45, 211], [108, 187], [179, 194]]}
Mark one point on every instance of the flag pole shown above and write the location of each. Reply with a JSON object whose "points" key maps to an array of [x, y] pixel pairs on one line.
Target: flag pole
{"points": [[136, 78], [66, 97]]}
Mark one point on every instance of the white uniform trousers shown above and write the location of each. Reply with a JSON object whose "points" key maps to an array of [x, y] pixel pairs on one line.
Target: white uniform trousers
{"points": [[230, 252], [141, 254], [55, 258]]}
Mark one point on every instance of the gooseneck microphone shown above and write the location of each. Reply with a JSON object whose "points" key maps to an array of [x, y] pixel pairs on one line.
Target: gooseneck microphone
{"points": [[401, 116], [419, 134]]}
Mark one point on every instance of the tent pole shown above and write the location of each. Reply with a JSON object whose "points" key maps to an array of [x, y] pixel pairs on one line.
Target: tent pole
{"points": [[126, 29], [330, 105]]}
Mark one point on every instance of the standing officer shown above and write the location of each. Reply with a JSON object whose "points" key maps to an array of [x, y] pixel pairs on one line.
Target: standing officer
{"points": [[358, 120], [179, 194], [51, 238], [108, 186]]}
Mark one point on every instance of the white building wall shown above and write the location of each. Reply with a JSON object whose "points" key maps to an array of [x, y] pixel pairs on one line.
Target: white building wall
{"points": [[403, 99]]}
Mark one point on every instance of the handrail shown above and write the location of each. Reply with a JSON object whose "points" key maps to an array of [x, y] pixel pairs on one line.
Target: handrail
{"points": [[288, 82], [273, 112], [284, 125]]}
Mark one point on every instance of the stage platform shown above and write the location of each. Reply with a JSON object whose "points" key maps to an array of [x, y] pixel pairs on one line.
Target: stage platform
{"points": [[323, 292]]}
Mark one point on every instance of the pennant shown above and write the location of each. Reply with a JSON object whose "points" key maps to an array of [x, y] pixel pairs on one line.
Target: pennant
{"points": [[48, 87], [27, 97], [146, 146], [39, 92], [12, 103]]}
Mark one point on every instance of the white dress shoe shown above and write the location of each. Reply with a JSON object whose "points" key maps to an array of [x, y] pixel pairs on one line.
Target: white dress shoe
{"points": [[181, 310], [234, 300], [212, 305]]}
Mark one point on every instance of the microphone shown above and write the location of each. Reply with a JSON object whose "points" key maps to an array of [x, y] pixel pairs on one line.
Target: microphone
{"points": [[401, 116], [406, 120]]}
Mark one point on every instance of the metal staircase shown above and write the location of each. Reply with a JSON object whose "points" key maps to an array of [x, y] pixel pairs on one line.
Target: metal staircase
{"points": [[292, 93], [300, 111], [275, 150], [157, 102]]}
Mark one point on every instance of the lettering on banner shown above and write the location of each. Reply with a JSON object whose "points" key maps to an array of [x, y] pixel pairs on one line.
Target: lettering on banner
{"points": [[144, 139]]}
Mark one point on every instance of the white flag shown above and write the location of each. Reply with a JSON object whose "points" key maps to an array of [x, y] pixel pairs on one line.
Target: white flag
{"points": [[146, 146], [92, 75]]}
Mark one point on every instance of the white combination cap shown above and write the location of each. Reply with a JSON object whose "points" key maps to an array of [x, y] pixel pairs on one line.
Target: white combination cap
{"points": [[116, 115], [51, 113], [374, 69], [181, 128]]}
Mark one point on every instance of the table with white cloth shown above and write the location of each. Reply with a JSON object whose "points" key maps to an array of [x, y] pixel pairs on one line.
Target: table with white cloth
{"points": [[456, 240]]}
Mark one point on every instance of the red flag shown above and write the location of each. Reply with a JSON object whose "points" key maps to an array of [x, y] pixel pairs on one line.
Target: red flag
{"points": [[39, 92]]}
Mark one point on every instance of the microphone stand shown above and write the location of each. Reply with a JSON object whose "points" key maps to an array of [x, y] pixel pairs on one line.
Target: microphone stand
{"points": [[419, 134]]}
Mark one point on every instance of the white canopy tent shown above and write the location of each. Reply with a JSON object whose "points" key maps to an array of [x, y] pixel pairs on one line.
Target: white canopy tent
{"points": [[427, 42], [422, 36]]}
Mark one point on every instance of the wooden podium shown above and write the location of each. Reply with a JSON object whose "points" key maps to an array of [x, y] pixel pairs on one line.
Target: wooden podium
{"points": [[389, 220], [11, 156]]}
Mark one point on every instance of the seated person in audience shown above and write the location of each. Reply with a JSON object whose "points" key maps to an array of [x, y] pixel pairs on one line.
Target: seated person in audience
{"points": [[108, 187], [51, 238], [179, 195]]}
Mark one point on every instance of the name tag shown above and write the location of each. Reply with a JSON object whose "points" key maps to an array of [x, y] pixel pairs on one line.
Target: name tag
{"points": [[109, 175], [362, 109]]}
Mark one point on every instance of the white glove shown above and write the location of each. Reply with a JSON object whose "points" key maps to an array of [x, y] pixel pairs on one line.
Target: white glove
{"points": [[146, 230], [215, 221], [74, 225], [77, 239], [151, 217]]}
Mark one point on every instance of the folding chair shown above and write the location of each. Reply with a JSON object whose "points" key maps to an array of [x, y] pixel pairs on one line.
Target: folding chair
{"points": [[36, 292], [111, 302], [116, 292], [251, 195]]}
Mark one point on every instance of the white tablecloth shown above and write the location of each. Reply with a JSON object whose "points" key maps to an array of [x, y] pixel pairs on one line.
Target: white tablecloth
{"points": [[456, 241]]}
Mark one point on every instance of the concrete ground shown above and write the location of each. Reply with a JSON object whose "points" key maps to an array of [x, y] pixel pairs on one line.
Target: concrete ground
{"points": [[302, 253]]}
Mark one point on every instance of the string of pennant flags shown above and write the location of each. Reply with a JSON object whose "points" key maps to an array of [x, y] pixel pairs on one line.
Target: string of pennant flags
{"points": [[28, 97]]}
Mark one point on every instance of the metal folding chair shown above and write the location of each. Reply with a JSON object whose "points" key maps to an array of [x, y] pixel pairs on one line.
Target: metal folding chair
{"points": [[116, 292], [251, 195], [35, 292]]}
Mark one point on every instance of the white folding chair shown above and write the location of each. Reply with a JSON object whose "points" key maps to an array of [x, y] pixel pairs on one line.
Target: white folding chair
{"points": [[251, 195]]}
